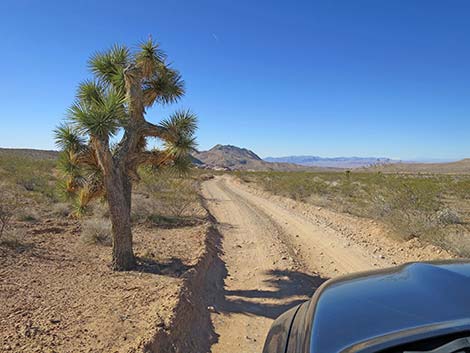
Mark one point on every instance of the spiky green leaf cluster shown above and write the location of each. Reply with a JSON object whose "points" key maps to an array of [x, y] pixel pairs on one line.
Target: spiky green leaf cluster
{"points": [[103, 108], [109, 66], [150, 58], [180, 128], [98, 112]]}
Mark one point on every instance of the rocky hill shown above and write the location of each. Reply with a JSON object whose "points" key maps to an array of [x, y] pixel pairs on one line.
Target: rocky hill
{"points": [[236, 158]]}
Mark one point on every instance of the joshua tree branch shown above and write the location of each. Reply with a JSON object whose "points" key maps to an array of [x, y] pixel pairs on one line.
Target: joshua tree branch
{"points": [[153, 130]]}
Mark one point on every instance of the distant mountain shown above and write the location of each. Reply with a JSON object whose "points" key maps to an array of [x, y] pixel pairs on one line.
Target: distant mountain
{"points": [[236, 158], [334, 162], [30, 153]]}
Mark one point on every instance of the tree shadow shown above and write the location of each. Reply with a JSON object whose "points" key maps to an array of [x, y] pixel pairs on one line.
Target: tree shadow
{"points": [[287, 288], [173, 267]]}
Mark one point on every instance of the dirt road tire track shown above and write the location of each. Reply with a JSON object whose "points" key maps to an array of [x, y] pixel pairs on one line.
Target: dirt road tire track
{"points": [[263, 278]]}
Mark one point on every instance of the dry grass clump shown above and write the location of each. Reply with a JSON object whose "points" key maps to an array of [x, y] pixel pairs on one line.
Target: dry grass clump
{"points": [[448, 216], [14, 239], [96, 231], [459, 242], [61, 209], [8, 206], [100, 210], [27, 213], [143, 207]]}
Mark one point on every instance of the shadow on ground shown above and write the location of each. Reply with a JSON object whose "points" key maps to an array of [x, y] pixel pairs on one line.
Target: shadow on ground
{"points": [[288, 287], [173, 268]]}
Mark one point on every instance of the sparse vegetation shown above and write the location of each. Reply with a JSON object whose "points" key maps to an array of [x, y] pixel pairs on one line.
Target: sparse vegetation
{"points": [[431, 207], [21, 174], [166, 194], [61, 209], [96, 231], [13, 238], [161, 197], [8, 207]]}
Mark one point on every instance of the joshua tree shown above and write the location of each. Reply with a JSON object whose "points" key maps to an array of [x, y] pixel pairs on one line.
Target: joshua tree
{"points": [[113, 104]]}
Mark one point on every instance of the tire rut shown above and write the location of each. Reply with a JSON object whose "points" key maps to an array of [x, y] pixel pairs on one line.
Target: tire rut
{"points": [[262, 276]]}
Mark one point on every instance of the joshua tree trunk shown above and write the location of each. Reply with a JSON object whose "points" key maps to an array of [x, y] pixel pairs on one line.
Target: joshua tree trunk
{"points": [[118, 194]]}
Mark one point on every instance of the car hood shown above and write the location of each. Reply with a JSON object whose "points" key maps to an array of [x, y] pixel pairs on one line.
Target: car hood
{"points": [[365, 312]]}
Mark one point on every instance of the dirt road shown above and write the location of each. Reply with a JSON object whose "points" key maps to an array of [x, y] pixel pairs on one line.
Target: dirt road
{"points": [[274, 258], [276, 254]]}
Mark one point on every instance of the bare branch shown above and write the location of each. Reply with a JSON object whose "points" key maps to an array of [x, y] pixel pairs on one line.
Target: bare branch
{"points": [[152, 130], [154, 158]]}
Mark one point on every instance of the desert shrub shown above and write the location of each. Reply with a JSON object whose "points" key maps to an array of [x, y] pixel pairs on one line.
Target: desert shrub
{"points": [[14, 239], [100, 210], [168, 195], [28, 215], [448, 216], [61, 209], [458, 241], [143, 207], [179, 197], [96, 231], [8, 207]]}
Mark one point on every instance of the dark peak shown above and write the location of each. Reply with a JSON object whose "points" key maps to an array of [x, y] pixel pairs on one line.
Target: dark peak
{"points": [[235, 150]]}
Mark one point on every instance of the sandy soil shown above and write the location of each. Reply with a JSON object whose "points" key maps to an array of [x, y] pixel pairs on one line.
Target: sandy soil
{"points": [[59, 295], [277, 252]]}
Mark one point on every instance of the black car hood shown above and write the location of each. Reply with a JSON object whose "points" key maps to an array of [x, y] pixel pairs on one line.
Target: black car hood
{"points": [[367, 310]]}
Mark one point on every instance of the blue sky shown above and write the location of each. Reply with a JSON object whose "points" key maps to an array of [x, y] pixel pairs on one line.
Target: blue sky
{"points": [[364, 77]]}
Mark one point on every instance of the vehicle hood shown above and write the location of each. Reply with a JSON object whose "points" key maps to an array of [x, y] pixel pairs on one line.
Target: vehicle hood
{"points": [[355, 313]]}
